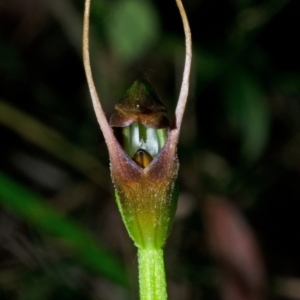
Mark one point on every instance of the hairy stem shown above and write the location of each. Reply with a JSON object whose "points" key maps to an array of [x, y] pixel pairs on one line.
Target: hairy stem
{"points": [[152, 275]]}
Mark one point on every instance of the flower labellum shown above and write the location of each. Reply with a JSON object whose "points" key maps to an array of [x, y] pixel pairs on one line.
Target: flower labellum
{"points": [[142, 158]]}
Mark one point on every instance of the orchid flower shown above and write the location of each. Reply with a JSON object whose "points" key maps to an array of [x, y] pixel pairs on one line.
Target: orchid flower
{"points": [[144, 172]]}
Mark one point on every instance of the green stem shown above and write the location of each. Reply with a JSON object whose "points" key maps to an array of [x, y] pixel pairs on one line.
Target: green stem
{"points": [[152, 275]]}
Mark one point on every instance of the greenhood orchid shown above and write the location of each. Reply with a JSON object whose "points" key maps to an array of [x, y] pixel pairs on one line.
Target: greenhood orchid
{"points": [[144, 172]]}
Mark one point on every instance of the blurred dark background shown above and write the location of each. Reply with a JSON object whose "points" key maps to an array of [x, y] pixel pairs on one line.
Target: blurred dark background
{"points": [[61, 233]]}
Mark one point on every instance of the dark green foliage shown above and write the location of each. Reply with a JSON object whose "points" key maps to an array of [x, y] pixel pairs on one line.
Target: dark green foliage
{"points": [[239, 139]]}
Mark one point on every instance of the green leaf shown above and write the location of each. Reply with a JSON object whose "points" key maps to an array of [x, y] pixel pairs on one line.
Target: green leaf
{"points": [[248, 112], [132, 29], [288, 83], [208, 66], [33, 210]]}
